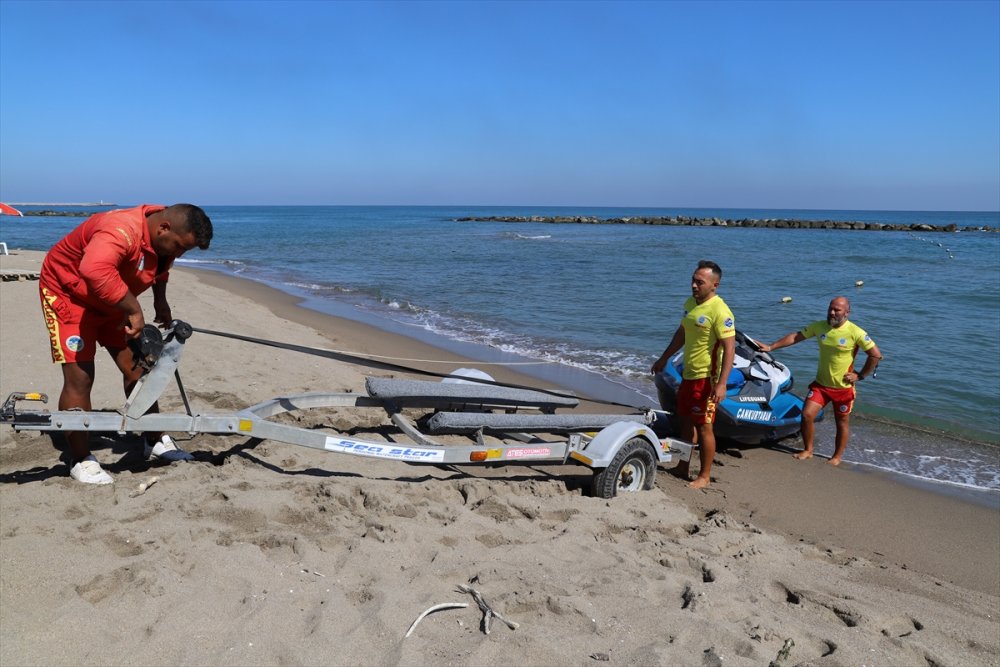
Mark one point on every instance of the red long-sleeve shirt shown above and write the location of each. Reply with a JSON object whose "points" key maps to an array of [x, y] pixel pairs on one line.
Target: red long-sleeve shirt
{"points": [[107, 256]]}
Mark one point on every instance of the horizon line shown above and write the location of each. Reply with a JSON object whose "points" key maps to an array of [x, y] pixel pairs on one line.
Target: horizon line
{"points": [[570, 206]]}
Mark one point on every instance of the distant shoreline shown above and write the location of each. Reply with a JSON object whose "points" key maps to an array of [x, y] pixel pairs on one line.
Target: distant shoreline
{"points": [[53, 213], [66, 214], [683, 220], [91, 203]]}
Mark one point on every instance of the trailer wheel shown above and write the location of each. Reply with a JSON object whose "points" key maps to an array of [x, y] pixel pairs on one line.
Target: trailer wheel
{"points": [[632, 469]]}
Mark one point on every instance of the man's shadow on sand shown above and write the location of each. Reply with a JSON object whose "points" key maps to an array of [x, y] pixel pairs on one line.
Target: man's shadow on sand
{"points": [[129, 449]]}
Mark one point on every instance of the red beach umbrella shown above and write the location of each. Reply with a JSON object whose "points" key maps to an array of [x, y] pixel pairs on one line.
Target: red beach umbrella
{"points": [[9, 210]]}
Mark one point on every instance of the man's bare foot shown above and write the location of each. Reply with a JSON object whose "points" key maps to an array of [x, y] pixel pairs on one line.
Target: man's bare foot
{"points": [[834, 461], [699, 483], [803, 455]]}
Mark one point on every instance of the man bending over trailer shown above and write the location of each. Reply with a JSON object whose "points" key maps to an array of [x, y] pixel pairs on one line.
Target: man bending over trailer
{"points": [[88, 287]]}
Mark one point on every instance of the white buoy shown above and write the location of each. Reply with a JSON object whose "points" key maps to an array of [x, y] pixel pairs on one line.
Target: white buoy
{"points": [[859, 283], [786, 299]]}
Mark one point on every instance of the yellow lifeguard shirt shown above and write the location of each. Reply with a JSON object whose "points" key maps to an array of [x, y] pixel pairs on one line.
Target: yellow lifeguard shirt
{"points": [[704, 326], [837, 349]]}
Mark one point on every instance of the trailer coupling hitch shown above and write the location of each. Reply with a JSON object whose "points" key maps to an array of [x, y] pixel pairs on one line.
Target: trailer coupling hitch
{"points": [[148, 346], [8, 413]]}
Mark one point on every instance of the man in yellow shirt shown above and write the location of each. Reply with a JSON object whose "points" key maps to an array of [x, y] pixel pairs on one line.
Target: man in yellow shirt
{"points": [[708, 336], [839, 342]]}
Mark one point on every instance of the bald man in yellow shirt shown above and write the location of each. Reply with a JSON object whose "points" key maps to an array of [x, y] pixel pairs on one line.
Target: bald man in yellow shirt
{"points": [[839, 342], [708, 336]]}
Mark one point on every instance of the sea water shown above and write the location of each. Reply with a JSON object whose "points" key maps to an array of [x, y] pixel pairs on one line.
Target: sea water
{"points": [[602, 301]]}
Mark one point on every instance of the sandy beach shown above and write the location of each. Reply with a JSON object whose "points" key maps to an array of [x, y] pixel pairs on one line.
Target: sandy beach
{"points": [[263, 553]]}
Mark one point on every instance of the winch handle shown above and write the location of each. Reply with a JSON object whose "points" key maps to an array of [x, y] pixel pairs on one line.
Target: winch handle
{"points": [[146, 348]]}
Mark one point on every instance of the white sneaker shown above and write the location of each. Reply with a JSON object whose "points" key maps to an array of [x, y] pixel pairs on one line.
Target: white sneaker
{"points": [[89, 471], [166, 449]]}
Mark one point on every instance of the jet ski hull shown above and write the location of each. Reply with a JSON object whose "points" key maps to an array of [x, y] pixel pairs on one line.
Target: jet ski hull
{"points": [[759, 406]]}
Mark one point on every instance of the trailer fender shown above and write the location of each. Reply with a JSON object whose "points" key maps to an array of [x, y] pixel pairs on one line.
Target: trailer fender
{"points": [[603, 447]]}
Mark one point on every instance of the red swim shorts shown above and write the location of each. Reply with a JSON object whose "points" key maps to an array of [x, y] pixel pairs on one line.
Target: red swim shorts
{"points": [[695, 398], [75, 332], [842, 399]]}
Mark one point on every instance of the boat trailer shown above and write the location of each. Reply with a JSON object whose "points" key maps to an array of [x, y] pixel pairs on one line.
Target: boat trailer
{"points": [[622, 449]]}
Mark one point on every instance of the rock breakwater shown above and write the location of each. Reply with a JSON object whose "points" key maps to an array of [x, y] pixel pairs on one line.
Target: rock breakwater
{"points": [[777, 223]]}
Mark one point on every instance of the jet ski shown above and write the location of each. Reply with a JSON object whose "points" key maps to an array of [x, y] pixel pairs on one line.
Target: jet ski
{"points": [[759, 405]]}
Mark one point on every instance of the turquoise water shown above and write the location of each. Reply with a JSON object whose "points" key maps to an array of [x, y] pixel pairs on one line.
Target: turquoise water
{"points": [[607, 298]]}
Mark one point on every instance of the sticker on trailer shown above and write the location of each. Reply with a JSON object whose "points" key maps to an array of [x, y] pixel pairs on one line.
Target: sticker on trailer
{"points": [[383, 451], [523, 452]]}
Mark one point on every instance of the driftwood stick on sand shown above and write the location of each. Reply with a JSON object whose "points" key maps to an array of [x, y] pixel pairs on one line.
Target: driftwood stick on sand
{"points": [[437, 607], [488, 611]]}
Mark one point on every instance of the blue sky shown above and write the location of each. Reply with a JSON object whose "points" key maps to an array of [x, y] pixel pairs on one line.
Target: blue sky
{"points": [[831, 105]]}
